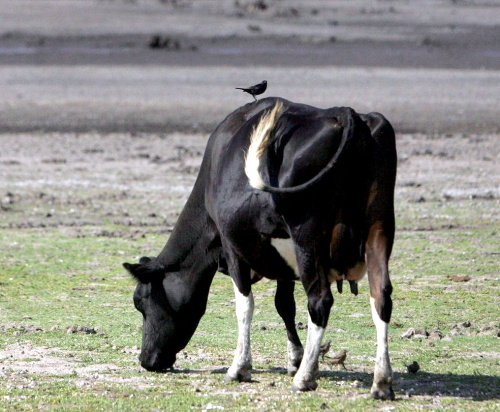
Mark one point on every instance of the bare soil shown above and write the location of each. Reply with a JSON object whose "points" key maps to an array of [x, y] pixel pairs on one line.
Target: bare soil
{"points": [[81, 181]]}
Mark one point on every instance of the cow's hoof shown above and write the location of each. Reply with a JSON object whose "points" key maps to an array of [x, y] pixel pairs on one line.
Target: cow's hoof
{"points": [[293, 367], [238, 377], [305, 386], [385, 394], [295, 354]]}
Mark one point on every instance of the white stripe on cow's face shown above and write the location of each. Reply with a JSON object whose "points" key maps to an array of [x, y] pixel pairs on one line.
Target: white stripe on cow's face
{"points": [[241, 367], [305, 379]]}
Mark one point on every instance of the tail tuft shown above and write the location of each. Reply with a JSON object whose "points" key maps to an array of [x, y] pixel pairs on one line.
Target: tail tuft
{"points": [[260, 139]]}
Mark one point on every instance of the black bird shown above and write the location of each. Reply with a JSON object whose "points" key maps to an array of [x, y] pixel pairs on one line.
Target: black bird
{"points": [[255, 90], [413, 368]]}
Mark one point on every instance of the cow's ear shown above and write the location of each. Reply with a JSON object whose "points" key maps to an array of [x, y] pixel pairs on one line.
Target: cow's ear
{"points": [[132, 268], [146, 271], [145, 259]]}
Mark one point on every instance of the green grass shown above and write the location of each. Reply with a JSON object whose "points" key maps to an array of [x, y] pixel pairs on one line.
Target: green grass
{"points": [[52, 278]]}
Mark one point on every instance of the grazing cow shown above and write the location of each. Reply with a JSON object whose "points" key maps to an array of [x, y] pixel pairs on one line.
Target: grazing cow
{"points": [[277, 173]]}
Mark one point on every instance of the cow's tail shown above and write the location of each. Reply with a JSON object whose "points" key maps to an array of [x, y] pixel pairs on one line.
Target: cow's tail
{"points": [[261, 138], [263, 135]]}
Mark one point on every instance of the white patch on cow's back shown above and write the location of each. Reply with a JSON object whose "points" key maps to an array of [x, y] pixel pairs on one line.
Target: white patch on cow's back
{"points": [[286, 249]]}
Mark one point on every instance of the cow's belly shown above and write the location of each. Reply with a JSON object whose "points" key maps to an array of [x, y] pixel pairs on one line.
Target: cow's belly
{"points": [[286, 249]]}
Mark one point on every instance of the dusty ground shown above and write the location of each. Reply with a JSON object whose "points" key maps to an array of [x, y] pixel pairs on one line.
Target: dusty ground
{"points": [[77, 181], [97, 127]]}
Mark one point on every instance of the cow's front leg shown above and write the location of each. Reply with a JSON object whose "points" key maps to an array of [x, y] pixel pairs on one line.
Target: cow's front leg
{"points": [[241, 367], [284, 301]]}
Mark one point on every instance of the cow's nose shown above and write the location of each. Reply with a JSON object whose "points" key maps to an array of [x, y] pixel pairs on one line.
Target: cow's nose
{"points": [[150, 362], [156, 362]]}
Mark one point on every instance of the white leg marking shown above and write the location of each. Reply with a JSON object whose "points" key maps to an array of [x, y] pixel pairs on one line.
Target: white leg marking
{"points": [[382, 379], [305, 379], [241, 368], [382, 328]]}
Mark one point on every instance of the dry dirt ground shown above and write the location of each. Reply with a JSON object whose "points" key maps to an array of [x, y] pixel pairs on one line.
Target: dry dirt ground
{"points": [[81, 180], [99, 128]]}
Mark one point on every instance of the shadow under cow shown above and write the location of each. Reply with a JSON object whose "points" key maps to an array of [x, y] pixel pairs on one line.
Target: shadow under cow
{"points": [[475, 387]]}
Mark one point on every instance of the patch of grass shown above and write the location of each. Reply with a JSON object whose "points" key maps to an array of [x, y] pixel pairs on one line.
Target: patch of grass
{"points": [[439, 213], [51, 279]]}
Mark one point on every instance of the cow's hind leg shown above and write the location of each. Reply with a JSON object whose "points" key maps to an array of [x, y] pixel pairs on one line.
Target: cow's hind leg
{"points": [[377, 253], [320, 300], [285, 305], [305, 378], [241, 368]]}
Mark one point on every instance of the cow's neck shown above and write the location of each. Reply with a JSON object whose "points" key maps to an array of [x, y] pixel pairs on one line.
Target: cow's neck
{"points": [[194, 243]]}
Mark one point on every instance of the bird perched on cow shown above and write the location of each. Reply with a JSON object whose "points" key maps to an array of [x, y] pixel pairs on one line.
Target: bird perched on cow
{"points": [[255, 90]]}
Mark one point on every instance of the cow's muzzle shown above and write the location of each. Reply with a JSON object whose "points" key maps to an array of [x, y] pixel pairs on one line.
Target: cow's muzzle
{"points": [[157, 362]]}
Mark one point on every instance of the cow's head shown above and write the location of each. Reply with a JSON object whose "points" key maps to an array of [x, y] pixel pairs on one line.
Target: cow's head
{"points": [[172, 303]]}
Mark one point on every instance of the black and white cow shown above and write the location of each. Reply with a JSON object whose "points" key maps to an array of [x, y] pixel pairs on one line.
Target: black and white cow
{"points": [[276, 173]]}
